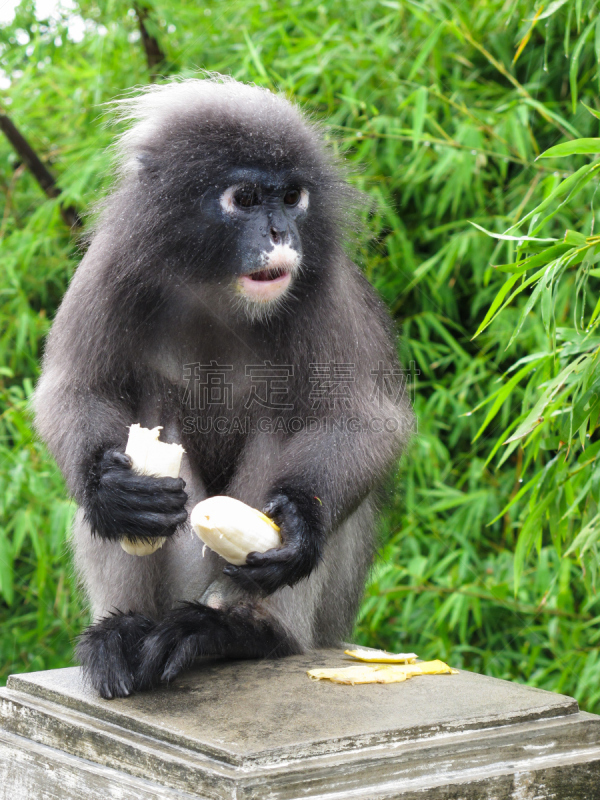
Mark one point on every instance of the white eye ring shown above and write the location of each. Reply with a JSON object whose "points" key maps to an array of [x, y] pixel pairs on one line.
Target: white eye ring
{"points": [[303, 202], [227, 199], [229, 206]]}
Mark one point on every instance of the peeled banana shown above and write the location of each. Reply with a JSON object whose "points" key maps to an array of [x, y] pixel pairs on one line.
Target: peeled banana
{"points": [[232, 529], [150, 457]]}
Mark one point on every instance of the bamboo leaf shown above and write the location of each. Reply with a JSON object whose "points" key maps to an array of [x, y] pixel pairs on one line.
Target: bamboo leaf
{"points": [[503, 394], [552, 9], [587, 536], [592, 110], [575, 238], [576, 147], [507, 238], [528, 535], [535, 416], [565, 189], [420, 109], [574, 65], [527, 37], [428, 46]]}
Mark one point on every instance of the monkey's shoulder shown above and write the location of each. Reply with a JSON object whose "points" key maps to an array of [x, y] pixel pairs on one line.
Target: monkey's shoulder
{"points": [[355, 304]]}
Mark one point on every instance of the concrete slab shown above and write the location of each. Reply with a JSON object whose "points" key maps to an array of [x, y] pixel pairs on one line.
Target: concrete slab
{"points": [[257, 729]]}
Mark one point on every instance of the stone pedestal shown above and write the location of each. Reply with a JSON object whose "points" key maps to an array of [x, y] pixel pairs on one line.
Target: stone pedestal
{"points": [[262, 729]]}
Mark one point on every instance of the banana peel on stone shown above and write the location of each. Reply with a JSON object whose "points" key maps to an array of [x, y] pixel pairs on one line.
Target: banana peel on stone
{"points": [[381, 656], [392, 670]]}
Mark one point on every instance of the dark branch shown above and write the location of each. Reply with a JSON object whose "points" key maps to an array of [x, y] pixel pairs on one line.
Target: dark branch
{"points": [[154, 54], [37, 168]]}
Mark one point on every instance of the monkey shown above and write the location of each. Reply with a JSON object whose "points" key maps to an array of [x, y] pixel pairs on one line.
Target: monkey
{"points": [[218, 255]]}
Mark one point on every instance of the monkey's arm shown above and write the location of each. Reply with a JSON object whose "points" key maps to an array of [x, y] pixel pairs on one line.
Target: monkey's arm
{"points": [[321, 477], [86, 430]]}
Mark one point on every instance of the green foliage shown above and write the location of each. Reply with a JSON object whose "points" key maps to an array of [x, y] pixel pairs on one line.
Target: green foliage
{"points": [[558, 424], [490, 550]]}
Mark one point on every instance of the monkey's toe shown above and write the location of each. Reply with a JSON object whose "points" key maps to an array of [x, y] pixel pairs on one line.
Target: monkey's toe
{"points": [[109, 653], [108, 673], [182, 657], [153, 656], [165, 654], [119, 687]]}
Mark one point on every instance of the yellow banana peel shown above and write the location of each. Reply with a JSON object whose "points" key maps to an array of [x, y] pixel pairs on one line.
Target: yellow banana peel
{"points": [[380, 673], [382, 656]]}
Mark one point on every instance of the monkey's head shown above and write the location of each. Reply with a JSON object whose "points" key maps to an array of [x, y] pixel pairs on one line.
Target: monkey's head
{"points": [[230, 186]]}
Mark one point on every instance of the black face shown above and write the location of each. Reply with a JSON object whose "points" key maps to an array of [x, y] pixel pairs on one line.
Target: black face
{"points": [[264, 214], [259, 220]]}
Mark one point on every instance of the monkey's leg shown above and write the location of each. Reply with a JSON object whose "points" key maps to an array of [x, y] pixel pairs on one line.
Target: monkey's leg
{"points": [[198, 630], [124, 592], [109, 652]]}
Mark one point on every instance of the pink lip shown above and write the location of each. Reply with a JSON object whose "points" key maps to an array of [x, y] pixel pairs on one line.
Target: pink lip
{"points": [[258, 285]]}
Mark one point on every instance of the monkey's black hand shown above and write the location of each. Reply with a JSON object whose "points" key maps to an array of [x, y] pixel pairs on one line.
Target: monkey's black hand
{"points": [[300, 553], [122, 503]]}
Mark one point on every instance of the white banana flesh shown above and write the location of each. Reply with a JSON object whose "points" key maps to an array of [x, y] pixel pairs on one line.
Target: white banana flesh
{"points": [[151, 457], [232, 529]]}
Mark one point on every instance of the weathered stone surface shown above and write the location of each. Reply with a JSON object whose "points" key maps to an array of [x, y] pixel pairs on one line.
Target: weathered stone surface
{"points": [[36, 772], [259, 729]]}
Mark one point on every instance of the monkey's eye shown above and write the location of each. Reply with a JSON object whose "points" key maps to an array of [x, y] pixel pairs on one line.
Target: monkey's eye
{"points": [[246, 197], [292, 197]]}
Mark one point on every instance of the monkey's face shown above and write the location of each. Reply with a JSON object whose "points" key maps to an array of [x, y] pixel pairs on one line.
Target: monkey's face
{"points": [[264, 216], [245, 213]]}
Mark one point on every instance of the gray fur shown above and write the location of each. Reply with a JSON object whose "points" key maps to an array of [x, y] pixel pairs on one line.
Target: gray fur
{"points": [[134, 316]]}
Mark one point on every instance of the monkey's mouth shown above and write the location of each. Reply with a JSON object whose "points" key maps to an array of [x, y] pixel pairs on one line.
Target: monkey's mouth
{"points": [[265, 284], [268, 274]]}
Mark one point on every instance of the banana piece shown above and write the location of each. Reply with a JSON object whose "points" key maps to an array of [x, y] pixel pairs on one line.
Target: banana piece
{"points": [[380, 673], [232, 529], [365, 673], [382, 656], [150, 457]]}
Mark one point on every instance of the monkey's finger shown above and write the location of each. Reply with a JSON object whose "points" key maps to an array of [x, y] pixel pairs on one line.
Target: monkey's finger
{"points": [[154, 652], [149, 484], [284, 512], [264, 579], [161, 502], [277, 506], [113, 459], [168, 484], [274, 556], [153, 524], [141, 484]]}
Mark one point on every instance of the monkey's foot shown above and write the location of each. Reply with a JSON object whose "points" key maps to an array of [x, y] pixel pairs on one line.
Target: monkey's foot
{"points": [[196, 630], [109, 653]]}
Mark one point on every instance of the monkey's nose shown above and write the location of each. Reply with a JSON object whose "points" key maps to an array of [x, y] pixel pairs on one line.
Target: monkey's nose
{"points": [[276, 236]]}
